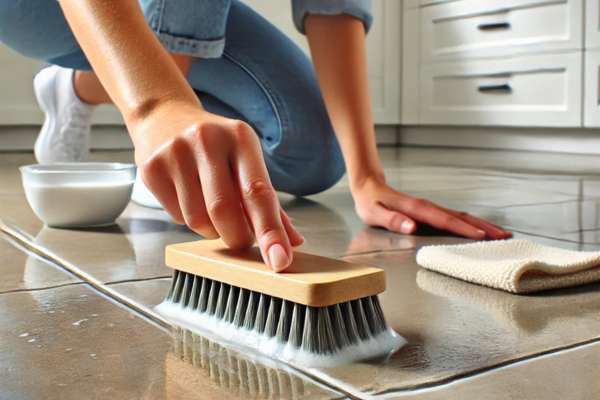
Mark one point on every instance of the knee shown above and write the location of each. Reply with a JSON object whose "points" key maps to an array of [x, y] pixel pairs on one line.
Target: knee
{"points": [[318, 173]]}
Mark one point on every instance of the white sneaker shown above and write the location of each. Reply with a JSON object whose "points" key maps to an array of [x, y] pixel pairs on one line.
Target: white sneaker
{"points": [[142, 195], [65, 135]]}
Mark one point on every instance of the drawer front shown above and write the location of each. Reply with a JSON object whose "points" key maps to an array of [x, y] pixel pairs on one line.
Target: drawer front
{"points": [[542, 90], [475, 28]]}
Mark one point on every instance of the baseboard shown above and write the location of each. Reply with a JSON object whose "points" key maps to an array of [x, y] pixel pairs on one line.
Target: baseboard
{"points": [[104, 137], [561, 140], [114, 137]]}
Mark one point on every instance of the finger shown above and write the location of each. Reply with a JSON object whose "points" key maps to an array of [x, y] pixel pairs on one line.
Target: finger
{"points": [[296, 238], [492, 231], [391, 220], [184, 171], [221, 193], [160, 183], [260, 201], [425, 211]]}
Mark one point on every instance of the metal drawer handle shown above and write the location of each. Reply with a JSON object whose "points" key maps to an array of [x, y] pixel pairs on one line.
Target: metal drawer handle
{"points": [[502, 88], [493, 26]]}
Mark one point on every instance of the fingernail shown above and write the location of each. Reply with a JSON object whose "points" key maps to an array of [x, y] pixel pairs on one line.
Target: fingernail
{"points": [[481, 233], [278, 257], [407, 226]]}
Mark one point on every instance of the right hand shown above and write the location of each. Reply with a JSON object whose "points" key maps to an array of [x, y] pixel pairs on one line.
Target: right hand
{"points": [[208, 172]]}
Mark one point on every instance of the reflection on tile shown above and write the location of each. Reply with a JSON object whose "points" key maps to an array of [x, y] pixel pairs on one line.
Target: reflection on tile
{"points": [[233, 372], [577, 221], [565, 375], [131, 249], [148, 293], [23, 271], [455, 328], [332, 228], [71, 343]]}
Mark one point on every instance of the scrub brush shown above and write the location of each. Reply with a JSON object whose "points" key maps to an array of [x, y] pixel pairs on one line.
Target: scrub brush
{"points": [[320, 312]]}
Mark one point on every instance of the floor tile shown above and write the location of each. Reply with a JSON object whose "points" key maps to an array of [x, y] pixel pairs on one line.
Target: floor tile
{"points": [[540, 378], [27, 271], [71, 343], [454, 328], [577, 221]]}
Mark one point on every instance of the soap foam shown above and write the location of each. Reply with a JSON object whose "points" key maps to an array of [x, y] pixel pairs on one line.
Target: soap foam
{"points": [[384, 344]]}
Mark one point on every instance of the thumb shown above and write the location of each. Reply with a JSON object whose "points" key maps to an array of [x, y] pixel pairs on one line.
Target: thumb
{"points": [[391, 220]]}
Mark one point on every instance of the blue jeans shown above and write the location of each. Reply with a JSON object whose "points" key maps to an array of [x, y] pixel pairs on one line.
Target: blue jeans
{"points": [[251, 71]]}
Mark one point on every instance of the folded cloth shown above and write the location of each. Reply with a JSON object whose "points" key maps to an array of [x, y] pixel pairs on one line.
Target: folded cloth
{"points": [[517, 266]]}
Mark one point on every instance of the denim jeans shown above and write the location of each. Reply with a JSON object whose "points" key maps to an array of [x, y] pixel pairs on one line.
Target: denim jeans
{"points": [[245, 68]]}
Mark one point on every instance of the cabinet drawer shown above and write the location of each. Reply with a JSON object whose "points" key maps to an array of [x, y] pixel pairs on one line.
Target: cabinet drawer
{"points": [[542, 90], [475, 28]]}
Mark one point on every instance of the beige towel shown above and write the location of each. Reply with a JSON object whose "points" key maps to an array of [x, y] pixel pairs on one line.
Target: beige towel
{"points": [[518, 266]]}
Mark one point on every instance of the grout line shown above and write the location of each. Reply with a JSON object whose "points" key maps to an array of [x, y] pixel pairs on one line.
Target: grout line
{"points": [[95, 283], [42, 288], [479, 371], [138, 280]]}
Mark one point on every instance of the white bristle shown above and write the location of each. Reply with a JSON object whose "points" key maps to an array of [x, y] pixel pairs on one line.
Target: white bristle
{"points": [[299, 334]]}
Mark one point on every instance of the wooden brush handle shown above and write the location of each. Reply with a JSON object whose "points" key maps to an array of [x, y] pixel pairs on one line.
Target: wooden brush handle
{"points": [[310, 280]]}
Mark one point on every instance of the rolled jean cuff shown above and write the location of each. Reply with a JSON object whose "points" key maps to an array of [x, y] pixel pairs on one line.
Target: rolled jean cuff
{"points": [[360, 9], [193, 47]]}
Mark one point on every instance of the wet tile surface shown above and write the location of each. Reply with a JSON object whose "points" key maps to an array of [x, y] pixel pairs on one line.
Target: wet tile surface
{"points": [[73, 343], [453, 328], [565, 375], [22, 271]]}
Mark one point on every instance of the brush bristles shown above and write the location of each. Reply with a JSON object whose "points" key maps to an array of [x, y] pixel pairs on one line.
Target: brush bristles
{"points": [[316, 330]]}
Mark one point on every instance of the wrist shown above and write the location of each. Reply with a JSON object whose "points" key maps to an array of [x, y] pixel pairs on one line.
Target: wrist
{"points": [[361, 177]]}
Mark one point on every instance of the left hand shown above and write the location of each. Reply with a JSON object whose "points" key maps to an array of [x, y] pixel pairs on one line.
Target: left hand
{"points": [[378, 204]]}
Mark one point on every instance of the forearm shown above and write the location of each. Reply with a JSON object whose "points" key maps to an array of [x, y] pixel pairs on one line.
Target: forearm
{"points": [[337, 45], [134, 68]]}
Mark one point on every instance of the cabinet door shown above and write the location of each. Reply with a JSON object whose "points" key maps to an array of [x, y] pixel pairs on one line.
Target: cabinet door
{"points": [[591, 89], [592, 23], [383, 48]]}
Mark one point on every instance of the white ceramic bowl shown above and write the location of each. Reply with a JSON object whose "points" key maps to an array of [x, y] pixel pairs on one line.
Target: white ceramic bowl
{"points": [[78, 194]]}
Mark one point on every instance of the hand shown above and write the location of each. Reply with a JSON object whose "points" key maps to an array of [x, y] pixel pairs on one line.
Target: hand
{"points": [[377, 204], [208, 172]]}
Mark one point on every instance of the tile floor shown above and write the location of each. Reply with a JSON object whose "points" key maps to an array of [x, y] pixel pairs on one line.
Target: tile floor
{"points": [[463, 340]]}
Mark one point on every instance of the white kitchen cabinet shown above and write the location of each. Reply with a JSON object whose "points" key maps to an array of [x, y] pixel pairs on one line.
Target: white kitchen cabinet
{"points": [[499, 63], [18, 105], [491, 28], [536, 90]]}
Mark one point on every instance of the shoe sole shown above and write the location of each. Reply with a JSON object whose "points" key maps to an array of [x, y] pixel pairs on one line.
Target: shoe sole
{"points": [[44, 87]]}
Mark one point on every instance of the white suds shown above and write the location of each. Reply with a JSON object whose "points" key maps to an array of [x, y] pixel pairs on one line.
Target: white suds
{"points": [[384, 344], [77, 323]]}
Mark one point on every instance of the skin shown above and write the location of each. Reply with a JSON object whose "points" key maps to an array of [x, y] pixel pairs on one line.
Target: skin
{"points": [[208, 171]]}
